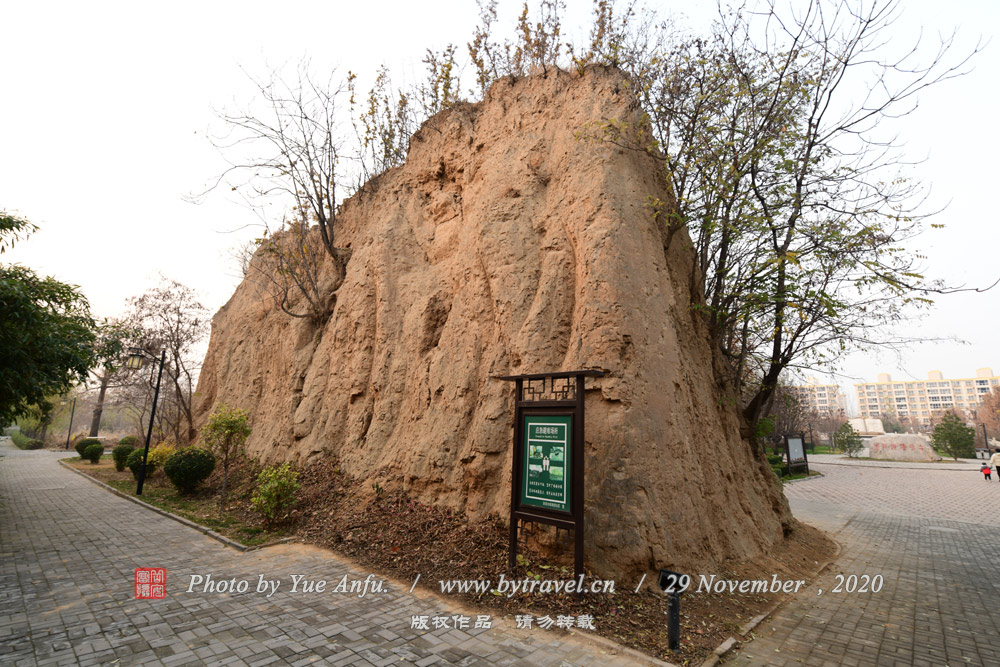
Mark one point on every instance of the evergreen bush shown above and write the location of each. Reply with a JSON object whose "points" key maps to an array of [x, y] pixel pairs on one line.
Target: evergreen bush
{"points": [[132, 441], [189, 467], [82, 445], [120, 454], [93, 453], [134, 463], [953, 437]]}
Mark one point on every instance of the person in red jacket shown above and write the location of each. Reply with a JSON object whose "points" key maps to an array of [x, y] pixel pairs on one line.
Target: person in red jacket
{"points": [[986, 471]]}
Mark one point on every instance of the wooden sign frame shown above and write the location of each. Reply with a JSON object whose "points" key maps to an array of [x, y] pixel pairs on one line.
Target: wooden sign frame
{"points": [[537, 396], [798, 464]]}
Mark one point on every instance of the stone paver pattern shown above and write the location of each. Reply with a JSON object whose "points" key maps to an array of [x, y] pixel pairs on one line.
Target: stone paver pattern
{"points": [[956, 491], [68, 553], [933, 536]]}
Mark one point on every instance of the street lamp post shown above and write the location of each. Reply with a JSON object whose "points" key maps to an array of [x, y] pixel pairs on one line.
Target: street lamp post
{"points": [[986, 443], [69, 432], [136, 358]]}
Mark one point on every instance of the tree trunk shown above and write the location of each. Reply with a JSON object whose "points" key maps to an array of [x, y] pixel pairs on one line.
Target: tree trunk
{"points": [[95, 421]]}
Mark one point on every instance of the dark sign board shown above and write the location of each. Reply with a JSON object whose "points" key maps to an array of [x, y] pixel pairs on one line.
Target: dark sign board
{"points": [[547, 476], [547, 473], [795, 452]]}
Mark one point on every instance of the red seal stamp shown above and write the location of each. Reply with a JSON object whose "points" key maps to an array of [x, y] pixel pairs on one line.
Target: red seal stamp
{"points": [[150, 583]]}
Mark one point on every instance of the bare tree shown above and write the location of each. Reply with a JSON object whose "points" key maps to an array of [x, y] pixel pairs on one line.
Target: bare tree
{"points": [[113, 336], [988, 411], [790, 416], [288, 156], [170, 317], [771, 133], [536, 47]]}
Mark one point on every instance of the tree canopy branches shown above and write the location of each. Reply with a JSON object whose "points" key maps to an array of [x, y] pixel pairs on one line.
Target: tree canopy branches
{"points": [[775, 131], [47, 337], [794, 196]]}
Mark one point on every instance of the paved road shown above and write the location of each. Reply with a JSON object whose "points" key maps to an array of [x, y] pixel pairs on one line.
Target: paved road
{"points": [[68, 551], [934, 537]]}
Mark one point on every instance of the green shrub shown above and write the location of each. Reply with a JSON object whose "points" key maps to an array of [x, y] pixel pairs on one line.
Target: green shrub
{"points": [[120, 454], [81, 445], [134, 463], [189, 467], [93, 453], [132, 441], [226, 432], [275, 494], [24, 442], [775, 459]]}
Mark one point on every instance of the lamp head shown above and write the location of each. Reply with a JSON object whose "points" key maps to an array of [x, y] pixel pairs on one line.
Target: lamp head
{"points": [[135, 359]]}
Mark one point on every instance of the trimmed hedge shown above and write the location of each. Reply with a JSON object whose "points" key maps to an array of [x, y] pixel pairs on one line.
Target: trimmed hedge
{"points": [[120, 454], [134, 463], [132, 441], [82, 445], [189, 467], [93, 453]]}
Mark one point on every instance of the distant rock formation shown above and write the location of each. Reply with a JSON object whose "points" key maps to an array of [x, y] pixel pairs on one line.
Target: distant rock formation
{"points": [[508, 244], [902, 447]]}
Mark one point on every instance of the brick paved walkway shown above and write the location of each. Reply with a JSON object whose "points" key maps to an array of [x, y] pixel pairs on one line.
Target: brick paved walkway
{"points": [[932, 535], [68, 550]]}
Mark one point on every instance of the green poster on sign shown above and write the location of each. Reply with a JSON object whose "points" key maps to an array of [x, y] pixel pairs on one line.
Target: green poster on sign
{"points": [[546, 473]]}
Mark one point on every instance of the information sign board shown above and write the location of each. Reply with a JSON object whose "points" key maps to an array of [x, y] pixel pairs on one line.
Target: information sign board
{"points": [[796, 450], [547, 468]]}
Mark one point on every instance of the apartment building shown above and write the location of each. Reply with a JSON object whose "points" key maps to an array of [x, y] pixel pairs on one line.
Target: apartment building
{"points": [[919, 399], [820, 398]]}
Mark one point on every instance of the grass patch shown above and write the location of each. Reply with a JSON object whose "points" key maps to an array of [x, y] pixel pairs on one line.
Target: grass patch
{"points": [[201, 507]]}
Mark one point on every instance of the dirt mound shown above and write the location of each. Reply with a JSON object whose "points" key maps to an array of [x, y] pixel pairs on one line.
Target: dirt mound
{"points": [[507, 244]]}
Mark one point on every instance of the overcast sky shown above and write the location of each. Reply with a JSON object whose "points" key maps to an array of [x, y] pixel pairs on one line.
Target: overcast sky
{"points": [[106, 109]]}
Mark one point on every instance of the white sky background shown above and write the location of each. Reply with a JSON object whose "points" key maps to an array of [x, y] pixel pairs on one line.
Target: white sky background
{"points": [[106, 107]]}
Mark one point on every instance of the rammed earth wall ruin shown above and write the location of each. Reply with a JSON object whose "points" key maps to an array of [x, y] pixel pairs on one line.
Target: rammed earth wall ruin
{"points": [[507, 244]]}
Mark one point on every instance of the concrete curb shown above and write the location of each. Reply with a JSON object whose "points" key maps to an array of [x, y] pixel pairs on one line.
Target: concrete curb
{"points": [[728, 645], [717, 654], [621, 649], [162, 512]]}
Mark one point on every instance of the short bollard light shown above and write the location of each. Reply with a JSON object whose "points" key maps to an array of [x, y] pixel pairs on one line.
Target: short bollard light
{"points": [[673, 584]]}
